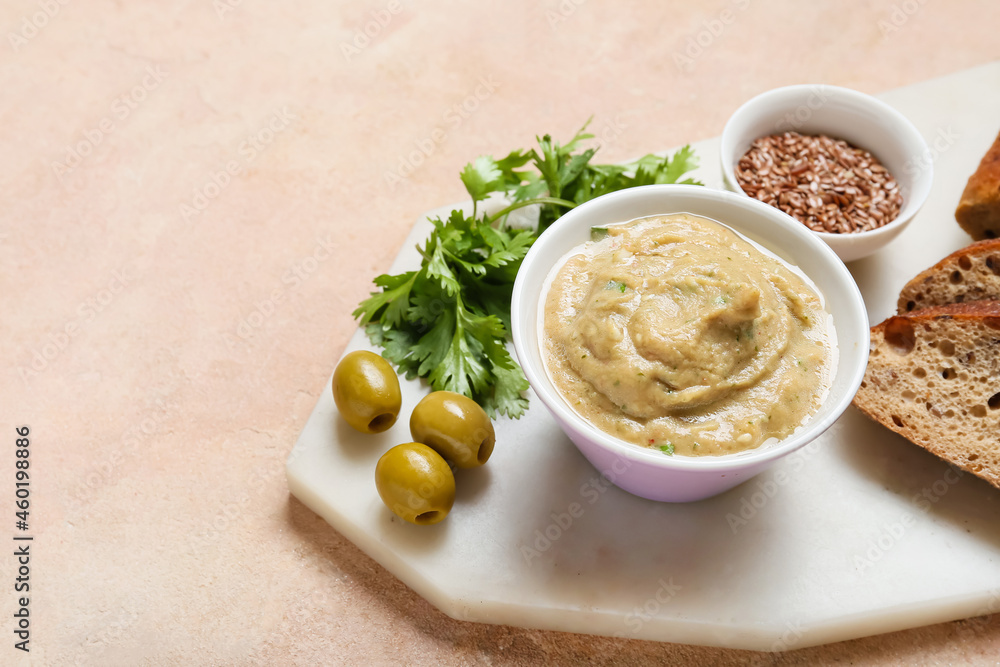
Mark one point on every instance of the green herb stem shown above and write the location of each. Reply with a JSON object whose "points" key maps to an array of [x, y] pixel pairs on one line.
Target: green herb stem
{"points": [[530, 202]]}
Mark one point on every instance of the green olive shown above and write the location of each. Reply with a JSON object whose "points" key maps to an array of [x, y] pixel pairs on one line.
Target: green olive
{"points": [[366, 391], [454, 426], [415, 483]]}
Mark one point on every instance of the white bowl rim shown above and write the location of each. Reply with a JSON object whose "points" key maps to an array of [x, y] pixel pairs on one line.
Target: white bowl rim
{"points": [[811, 430], [917, 197]]}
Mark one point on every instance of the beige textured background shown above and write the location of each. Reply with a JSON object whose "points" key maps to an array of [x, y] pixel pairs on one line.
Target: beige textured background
{"points": [[166, 358]]}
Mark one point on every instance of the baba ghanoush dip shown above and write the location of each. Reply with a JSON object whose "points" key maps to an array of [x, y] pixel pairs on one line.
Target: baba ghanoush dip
{"points": [[676, 333]]}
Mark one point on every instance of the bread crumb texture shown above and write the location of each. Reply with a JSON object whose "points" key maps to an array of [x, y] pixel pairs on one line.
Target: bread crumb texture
{"points": [[970, 274], [934, 378]]}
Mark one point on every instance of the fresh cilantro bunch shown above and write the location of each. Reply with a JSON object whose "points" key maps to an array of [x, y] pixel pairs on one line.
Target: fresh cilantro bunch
{"points": [[449, 320]]}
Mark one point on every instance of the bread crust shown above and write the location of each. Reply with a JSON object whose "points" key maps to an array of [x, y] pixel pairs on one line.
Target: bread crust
{"points": [[978, 211], [967, 310]]}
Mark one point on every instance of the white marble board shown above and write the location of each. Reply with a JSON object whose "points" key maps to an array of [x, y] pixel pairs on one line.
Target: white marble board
{"points": [[860, 533]]}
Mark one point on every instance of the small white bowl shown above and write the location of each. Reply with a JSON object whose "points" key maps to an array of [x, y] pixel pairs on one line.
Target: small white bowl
{"points": [[845, 114], [645, 472]]}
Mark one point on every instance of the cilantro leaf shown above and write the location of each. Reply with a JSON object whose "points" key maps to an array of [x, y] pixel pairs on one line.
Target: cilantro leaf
{"points": [[651, 169], [514, 160], [394, 298], [504, 247], [463, 368], [481, 177], [436, 264], [432, 347], [507, 395], [683, 161], [397, 346]]}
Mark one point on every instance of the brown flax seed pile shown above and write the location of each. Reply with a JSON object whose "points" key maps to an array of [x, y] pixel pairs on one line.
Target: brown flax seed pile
{"points": [[825, 183]]}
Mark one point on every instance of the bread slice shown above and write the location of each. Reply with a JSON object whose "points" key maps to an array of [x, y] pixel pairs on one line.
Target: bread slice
{"points": [[978, 211], [934, 377], [970, 274]]}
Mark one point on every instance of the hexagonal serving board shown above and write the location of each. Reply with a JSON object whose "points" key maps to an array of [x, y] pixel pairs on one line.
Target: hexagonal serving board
{"points": [[859, 533]]}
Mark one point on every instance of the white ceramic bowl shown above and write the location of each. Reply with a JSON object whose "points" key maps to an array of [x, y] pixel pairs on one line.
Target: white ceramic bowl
{"points": [[646, 472], [846, 114]]}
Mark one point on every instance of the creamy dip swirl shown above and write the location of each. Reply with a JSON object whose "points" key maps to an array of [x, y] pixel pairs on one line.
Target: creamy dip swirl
{"points": [[676, 333]]}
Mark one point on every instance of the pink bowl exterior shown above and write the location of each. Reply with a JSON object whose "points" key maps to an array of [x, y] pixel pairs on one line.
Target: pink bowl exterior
{"points": [[652, 482]]}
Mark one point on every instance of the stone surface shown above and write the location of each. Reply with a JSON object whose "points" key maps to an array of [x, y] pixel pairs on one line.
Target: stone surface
{"points": [[831, 544], [197, 343]]}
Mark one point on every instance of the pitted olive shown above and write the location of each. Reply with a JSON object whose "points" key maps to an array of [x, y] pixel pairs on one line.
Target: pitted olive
{"points": [[415, 483], [366, 391], [454, 426]]}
